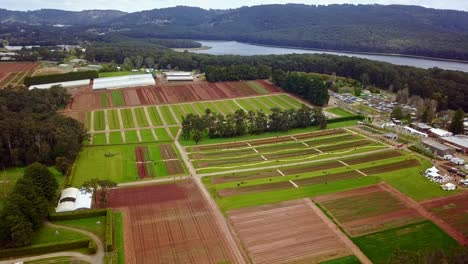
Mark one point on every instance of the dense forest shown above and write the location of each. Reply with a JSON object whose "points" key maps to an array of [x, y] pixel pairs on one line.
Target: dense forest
{"points": [[32, 131], [241, 123], [409, 30], [237, 73]]}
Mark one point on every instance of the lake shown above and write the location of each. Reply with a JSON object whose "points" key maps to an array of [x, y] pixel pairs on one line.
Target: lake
{"points": [[237, 48]]}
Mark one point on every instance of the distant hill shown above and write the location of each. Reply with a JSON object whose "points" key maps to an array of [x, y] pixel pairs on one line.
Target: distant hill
{"points": [[410, 30]]}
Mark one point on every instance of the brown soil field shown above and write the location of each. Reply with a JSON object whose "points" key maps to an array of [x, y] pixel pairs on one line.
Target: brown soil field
{"points": [[221, 162], [167, 151], [246, 176], [312, 168], [319, 141], [328, 178], [348, 145], [169, 223], [368, 210], [217, 147], [373, 157], [7, 67], [284, 146], [288, 232], [174, 167], [320, 133], [172, 94], [291, 154], [453, 210], [255, 188], [222, 154], [391, 167]]}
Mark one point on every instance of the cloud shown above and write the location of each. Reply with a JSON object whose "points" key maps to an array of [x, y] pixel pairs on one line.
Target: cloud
{"points": [[137, 5]]}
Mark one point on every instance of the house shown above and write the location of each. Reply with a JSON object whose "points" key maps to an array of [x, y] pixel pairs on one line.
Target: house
{"points": [[437, 132], [459, 141], [73, 199], [437, 148]]}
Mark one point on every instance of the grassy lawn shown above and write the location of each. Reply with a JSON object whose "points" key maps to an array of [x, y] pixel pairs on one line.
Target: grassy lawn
{"points": [[147, 135], [99, 139], [118, 73], [117, 98], [96, 225], [127, 118], [167, 115], [51, 234], [56, 260], [118, 237], [131, 136], [254, 199], [344, 260], [159, 166], [423, 236], [99, 121], [92, 163], [115, 137], [113, 119], [174, 130], [154, 115], [206, 140], [222, 106], [245, 103], [287, 101], [141, 117], [340, 112], [267, 100], [257, 87], [162, 135], [104, 100]]}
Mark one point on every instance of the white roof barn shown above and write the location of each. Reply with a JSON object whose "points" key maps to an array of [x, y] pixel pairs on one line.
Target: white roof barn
{"points": [[73, 199], [440, 132], [124, 81], [179, 76]]}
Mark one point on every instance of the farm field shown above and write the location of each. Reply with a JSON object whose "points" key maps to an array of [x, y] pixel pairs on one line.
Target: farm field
{"points": [[286, 232], [339, 112], [380, 246], [169, 224], [367, 210], [453, 210], [13, 73], [173, 94], [118, 163]]}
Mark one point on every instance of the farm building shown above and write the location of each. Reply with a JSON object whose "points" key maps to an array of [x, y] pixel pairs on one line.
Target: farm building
{"points": [[69, 84], [437, 132], [460, 142], [391, 136], [421, 127], [438, 148], [124, 81], [415, 132], [179, 76], [73, 199]]}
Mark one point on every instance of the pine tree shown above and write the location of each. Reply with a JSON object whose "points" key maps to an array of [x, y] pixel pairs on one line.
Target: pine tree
{"points": [[41, 177], [456, 126]]}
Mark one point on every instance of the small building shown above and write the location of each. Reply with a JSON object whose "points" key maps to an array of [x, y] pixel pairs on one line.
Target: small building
{"points": [[421, 127], [178, 76], [437, 148], [124, 81], [392, 136], [73, 199], [437, 132], [459, 141]]}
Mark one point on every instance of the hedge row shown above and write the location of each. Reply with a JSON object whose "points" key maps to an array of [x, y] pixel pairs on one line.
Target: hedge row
{"points": [[48, 248], [109, 243], [424, 152], [345, 118], [77, 214], [65, 77]]}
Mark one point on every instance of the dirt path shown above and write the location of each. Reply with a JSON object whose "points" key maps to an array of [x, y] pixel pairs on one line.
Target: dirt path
{"points": [[97, 258], [422, 211], [106, 122], [121, 124], [238, 255], [150, 122], [137, 127], [356, 251]]}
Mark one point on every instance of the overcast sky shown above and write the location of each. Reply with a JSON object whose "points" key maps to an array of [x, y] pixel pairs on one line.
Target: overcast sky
{"points": [[137, 5]]}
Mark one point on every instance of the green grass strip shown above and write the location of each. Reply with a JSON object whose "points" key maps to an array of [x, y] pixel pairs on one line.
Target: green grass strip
{"points": [[99, 139], [290, 101], [257, 87], [167, 115], [141, 117], [119, 238], [115, 137], [127, 118], [146, 135], [113, 119], [174, 131], [343, 260], [104, 102], [162, 134], [246, 105], [88, 120], [99, 121], [117, 98], [154, 115], [131, 136], [339, 112]]}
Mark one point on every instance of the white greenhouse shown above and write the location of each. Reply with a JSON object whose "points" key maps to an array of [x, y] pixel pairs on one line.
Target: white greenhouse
{"points": [[124, 81]]}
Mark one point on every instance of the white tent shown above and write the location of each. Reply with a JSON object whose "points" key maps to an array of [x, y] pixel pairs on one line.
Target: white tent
{"points": [[124, 81], [433, 169], [73, 199], [432, 174], [449, 186]]}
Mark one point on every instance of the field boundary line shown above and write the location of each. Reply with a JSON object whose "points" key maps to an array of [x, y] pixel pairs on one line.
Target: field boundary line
{"points": [[121, 124], [150, 122], [360, 172], [240, 106], [106, 122], [137, 126], [294, 184], [166, 126], [280, 172], [351, 246], [344, 163]]}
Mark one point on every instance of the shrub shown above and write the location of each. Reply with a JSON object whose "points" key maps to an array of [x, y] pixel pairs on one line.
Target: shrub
{"points": [[46, 248], [92, 247], [53, 78], [109, 243], [422, 150], [345, 118], [76, 214]]}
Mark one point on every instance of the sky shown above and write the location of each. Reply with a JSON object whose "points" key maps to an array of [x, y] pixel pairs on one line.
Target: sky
{"points": [[138, 5]]}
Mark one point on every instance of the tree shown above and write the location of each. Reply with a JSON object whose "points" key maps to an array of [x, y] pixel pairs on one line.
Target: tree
{"points": [[456, 126], [127, 64], [149, 62], [138, 62], [357, 91], [40, 176], [397, 113], [103, 186]]}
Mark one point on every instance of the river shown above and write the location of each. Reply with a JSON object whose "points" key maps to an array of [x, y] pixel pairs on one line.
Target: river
{"points": [[237, 48]]}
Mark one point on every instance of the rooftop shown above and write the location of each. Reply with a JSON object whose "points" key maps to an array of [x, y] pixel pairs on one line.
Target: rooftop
{"points": [[440, 132], [435, 144], [458, 140]]}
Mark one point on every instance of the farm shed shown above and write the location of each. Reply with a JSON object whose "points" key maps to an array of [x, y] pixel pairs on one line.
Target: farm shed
{"points": [[179, 76], [391, 136], [421, 127], [438, 148], [437, 132], [73, 199], [63, 84], [458, 141], [414, 131], [124, 81]]}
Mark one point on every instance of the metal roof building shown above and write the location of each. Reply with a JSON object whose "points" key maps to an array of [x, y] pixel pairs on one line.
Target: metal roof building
{"points": [[458, 141], [124, 81], [63, 84], [440, 132], [179, 76], [73, 199], [438, 148]]}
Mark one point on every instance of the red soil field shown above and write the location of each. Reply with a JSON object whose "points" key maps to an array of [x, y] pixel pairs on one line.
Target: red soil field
{"points": [[169, 223], [255, 188], [288, 232], [17, 67], [391, 167], [373, 157], [366, 210], [348, 145], [144, 165], [453, 210], [171, 94]]}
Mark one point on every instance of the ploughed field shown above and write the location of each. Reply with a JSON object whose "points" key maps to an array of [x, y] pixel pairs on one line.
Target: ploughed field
{"points": [[13, 73], [285, 233], [147, 123], [169, 223], [170, 94], [280, 150]]}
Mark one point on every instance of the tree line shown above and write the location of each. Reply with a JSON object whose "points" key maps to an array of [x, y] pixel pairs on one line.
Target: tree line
{"points": [[240, 123], [32, 131], [27, 206], [237, 73], [63, 77]]}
